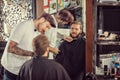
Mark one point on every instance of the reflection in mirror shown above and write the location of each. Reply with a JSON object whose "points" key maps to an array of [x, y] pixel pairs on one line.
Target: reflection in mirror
{"points": [[77, 8], [72, 51], [70, 37]]}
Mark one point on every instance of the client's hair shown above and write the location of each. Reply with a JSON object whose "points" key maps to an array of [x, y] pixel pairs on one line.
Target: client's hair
{"points": [[41, 44]]}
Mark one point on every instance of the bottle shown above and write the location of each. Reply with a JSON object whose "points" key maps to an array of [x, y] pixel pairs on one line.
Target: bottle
{"points": [[105, 71], [112, 72], [113, 57], [118, 71]]}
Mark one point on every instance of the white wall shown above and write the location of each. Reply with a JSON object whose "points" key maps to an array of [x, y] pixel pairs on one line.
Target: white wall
{"points": [[84, 14]]}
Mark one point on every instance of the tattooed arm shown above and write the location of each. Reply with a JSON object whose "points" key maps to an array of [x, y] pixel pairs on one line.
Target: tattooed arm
{"points": [[12, 48]]}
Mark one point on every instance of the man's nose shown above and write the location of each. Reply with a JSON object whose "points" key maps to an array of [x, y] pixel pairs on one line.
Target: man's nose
{"points": [[74, 30]]}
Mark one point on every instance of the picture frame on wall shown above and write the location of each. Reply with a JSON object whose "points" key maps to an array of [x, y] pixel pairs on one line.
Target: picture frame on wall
{"points": [[60, 4], [66, 3], [52, 6], [46, 5]]}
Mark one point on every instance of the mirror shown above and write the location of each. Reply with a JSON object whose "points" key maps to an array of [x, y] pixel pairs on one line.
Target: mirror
{"points": [[15, 11]]}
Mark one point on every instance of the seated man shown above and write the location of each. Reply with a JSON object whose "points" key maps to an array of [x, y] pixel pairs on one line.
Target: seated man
{"points": [[72, 54], [39, 67]]}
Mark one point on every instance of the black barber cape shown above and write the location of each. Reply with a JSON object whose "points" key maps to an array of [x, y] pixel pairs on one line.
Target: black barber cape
{"points": [[40, 68], [72, 57]]}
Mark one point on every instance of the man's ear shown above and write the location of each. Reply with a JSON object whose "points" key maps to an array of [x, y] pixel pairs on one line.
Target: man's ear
{"points": [[42, 19]]}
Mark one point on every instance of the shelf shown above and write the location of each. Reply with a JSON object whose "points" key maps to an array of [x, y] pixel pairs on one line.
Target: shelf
{"points": [[107, 42], [105, 48], [109, 3], [102, 77], [107, 13]]}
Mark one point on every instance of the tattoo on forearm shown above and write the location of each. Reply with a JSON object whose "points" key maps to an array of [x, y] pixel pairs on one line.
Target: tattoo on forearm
{"points": [[19, 51]]}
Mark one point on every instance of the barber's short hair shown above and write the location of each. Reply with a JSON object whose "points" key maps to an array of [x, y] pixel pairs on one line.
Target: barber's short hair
{"points": [[41, 44], [66, 16], [49, 18]]}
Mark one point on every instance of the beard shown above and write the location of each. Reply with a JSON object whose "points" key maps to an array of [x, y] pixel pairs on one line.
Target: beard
{"points": [[74, 36]]}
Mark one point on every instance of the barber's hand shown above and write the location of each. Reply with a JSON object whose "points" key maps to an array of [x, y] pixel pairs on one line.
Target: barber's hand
{"points": [[56, 50], [68, 38]]}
